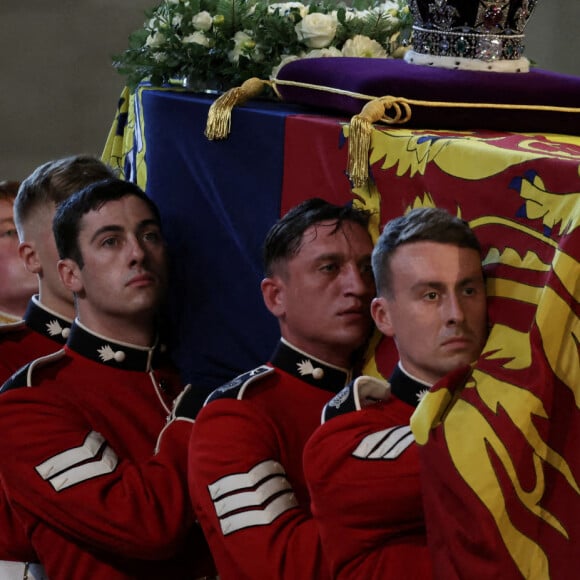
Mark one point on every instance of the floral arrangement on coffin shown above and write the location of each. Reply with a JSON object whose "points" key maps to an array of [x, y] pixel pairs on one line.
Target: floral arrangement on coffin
{"points": [[218, 44]]}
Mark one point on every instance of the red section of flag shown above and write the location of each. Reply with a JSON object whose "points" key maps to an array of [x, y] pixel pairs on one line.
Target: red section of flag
{"points": [[315, 160]]}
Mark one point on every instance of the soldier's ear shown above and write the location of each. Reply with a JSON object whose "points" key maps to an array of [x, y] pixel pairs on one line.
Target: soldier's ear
{"points": [[70, 275], [381, 313], [29, 255], [273, 292]]}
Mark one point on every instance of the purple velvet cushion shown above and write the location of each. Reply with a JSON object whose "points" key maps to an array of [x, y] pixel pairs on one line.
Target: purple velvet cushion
{"points": [[381, 77]]}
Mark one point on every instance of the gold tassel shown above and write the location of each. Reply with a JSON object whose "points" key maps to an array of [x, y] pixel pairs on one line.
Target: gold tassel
{"points": [[360, 132], [219, 118], [359, 141]]}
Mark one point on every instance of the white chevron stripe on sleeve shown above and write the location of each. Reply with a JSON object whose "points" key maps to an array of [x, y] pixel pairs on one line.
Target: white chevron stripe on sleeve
{"points": [[262, 517], [71, 457], [387, 444], [86, 471], [80, 463], [239, 481], [254, 498]]}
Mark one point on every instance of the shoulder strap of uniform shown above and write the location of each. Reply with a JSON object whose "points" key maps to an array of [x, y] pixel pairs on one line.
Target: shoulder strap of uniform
{"points": [[357, 395], [24, 376], [236, 388]]}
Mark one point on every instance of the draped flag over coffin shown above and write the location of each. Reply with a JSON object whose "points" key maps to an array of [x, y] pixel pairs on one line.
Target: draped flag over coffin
{"points": [[499, 456]]}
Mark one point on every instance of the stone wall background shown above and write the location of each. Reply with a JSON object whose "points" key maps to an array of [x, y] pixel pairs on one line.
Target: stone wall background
{"points": [[59, 90]]}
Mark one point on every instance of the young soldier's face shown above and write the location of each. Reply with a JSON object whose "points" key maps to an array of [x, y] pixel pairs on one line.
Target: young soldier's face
{"points": [[125, 267], [437, 312], [324, 292]]}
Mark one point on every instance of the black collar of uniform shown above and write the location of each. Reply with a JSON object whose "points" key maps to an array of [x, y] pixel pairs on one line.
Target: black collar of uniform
{"points": [[407, 388], [47, 322], [103, 350], [309, 369]]}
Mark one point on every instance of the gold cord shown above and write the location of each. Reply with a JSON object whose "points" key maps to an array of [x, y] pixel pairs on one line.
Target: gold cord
{"points": [[386, 109], [418, 102], [375, 111]]}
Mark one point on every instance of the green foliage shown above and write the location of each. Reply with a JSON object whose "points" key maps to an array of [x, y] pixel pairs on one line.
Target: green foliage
{"points": [[221, 43]]}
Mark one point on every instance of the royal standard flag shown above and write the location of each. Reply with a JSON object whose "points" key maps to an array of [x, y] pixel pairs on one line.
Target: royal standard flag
{"points": [[499, 444]]}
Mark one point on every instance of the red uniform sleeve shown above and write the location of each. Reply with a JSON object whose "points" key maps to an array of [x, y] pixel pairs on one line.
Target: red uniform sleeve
{"points": [[363, 474], [14, 544], [244, 499], [59, 473]]}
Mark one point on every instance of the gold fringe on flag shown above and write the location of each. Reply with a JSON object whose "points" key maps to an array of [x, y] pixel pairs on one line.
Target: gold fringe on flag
{"points": [[219, 118], [361, 128]]}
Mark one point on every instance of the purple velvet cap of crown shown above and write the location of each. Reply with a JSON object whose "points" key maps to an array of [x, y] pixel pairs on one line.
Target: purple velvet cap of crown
{"points": [[395, 77]]}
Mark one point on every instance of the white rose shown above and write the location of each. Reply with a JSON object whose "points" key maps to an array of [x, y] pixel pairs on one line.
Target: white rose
{"points": [[197, 37], [155, 40], [284, 8], [363, 46], [323, 52], [202, 21], [176, 20], [241, 40], [317, 30]]}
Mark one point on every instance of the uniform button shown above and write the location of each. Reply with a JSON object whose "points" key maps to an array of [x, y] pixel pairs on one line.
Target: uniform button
{"points": [[318, 373], [119, 356], [65, 332]]}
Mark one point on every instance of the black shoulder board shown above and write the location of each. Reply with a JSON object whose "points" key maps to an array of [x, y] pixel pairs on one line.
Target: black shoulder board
{"points": [[236, 387], [357, 395], [343, 402]]}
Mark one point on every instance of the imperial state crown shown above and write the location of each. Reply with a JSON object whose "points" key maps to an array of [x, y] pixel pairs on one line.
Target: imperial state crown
{"points": [[470, 34]]}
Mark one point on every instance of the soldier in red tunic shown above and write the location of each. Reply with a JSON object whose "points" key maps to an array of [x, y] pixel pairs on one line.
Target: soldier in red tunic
{"points": [[362, 464], [245, 461], [92, 470]]}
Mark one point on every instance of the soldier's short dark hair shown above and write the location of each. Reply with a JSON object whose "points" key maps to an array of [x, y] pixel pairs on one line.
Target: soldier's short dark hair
{"points": [[285, 237]]}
